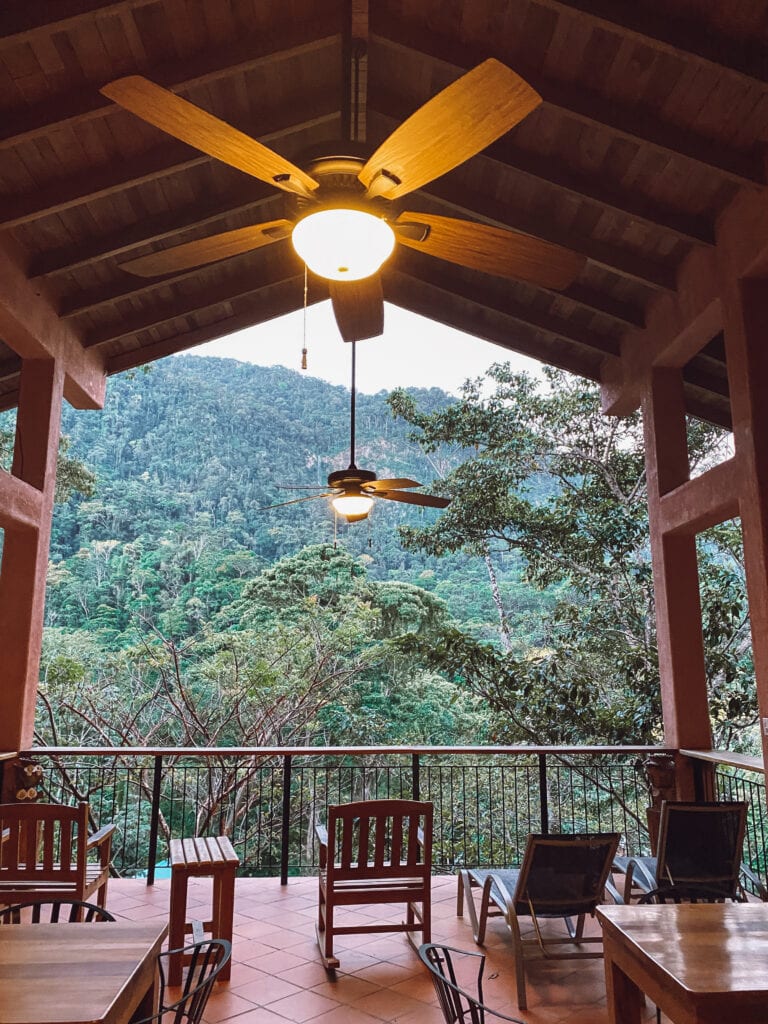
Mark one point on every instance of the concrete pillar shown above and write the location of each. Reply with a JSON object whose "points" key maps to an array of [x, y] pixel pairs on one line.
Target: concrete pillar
{"points": [[25, 553]]}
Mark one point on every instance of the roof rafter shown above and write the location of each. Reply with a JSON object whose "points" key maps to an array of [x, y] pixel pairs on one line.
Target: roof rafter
{"points": [[423, 269], [286, 41], [683, 37], [561, 176], [317, 109], [620, 261], [641, 126], [277, 271], [18, 21]]}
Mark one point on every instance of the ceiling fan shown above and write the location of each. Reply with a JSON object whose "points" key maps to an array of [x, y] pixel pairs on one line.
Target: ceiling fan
{"points": [[343, 224], [353, 490]]}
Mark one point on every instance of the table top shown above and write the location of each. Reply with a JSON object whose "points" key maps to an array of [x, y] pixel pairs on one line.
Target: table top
{"points": [[705, 948], [76, 973]]}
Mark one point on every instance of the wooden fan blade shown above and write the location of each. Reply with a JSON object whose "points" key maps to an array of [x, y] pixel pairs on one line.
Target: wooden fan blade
{"points": [[358, 307], [172, 114], [430, 500], [208, 250], [389, 485], [492, 250], [464, 118], [295, 501]]}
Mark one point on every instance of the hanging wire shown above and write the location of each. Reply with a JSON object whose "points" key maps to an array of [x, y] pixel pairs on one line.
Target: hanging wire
{"points": [[304, 348]]}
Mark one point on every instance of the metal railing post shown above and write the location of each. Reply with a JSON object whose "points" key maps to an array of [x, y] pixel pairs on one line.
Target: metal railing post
{"points": [[154, 820], [543, 794], [415, 779], [284, 837]]}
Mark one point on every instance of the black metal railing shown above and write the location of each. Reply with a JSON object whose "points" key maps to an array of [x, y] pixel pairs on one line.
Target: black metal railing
{"points": [[487, 800], [735, 783]]}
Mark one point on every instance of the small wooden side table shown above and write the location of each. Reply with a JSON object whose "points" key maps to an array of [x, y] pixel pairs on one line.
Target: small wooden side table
{"points": [[201, 857]]}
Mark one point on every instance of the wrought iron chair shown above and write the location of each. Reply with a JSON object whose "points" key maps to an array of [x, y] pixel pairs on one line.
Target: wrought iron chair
{"points": [[50, 911], [561, 876], [700, 845], [45, 853], [207, 960], [374, 851], [459, 1006]]}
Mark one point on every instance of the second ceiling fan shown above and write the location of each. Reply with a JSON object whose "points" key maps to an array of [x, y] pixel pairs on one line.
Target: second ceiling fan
{"points": [[344, 225]]}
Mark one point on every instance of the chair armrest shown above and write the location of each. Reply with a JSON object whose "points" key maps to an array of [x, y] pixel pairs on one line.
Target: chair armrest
{"points": [[104, 833], [639, 875], [749, 875], [613, 892]]}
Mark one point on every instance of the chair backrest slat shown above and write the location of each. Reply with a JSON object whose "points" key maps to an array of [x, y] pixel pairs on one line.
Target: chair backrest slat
{"points": [[45, 842], [369, 837]]}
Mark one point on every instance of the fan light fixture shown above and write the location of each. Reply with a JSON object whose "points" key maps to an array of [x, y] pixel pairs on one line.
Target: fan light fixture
{"points": [[353, 507], [343, 245]]}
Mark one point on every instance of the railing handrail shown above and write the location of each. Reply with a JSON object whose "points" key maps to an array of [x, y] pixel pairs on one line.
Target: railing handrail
{"points": [[341, 751], [749, 762]]}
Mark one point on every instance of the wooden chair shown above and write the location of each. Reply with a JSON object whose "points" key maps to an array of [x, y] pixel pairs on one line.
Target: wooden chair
{"points": [[374, 851], [561, 876], [46, 854]]}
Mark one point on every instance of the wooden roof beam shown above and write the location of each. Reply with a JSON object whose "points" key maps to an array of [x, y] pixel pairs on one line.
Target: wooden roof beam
{"points": [[20, 21], [427, 271], [248, 199], [283, 298], [481, 206], [641, 126], [564, 178], [316, 109], [29, 325], [680, 326], [669, 33], [289, 39], [277, 271], [441, 305]]}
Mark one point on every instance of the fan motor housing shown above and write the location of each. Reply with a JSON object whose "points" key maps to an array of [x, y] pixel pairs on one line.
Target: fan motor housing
{"points": [[350, 478]]}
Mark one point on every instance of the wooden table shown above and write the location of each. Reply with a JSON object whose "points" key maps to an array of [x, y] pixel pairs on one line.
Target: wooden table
{"points": [[700, 963], [78, 973]]}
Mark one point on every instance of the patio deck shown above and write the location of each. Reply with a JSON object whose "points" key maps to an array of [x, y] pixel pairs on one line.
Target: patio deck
{"points": [[277, 975]]}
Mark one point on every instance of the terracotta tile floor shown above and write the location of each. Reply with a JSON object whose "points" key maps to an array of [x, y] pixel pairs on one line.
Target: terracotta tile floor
{"points": [[277, 975]]}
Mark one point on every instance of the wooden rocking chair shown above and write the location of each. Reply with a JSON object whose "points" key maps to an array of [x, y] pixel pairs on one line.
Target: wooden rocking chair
{"points": [[374, 851]]}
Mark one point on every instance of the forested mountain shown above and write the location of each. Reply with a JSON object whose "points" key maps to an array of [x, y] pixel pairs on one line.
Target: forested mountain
{"points": [[185, 457]]}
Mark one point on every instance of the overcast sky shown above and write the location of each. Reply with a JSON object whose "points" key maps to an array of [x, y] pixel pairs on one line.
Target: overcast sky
{"points": [[412, 352]]}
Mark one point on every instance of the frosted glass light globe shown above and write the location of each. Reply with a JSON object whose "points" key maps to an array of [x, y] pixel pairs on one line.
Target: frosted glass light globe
{"points": [[343, 245], [353, 506]]}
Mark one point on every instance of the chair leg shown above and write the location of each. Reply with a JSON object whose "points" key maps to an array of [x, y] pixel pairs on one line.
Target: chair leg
{"points": [[177, 930], [324, 932], [517, 952], [460, 895]]}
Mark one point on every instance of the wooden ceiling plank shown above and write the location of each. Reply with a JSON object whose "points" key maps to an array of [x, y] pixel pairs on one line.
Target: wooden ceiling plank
{"points": [[645, 127], [158, 163], [277, 272], [668, 33], [562, 176], [287, 41], [20, 21], [441, 306], [421, 269], [148, 231], [287, 300], [619, 261]]}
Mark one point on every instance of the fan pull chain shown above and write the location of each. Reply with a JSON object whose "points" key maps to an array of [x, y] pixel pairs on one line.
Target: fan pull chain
{"points": [[304, 349]]}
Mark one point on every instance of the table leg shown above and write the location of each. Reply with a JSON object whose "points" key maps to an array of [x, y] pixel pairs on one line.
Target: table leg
{"points": [[625, 999], [150, 1001]]}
